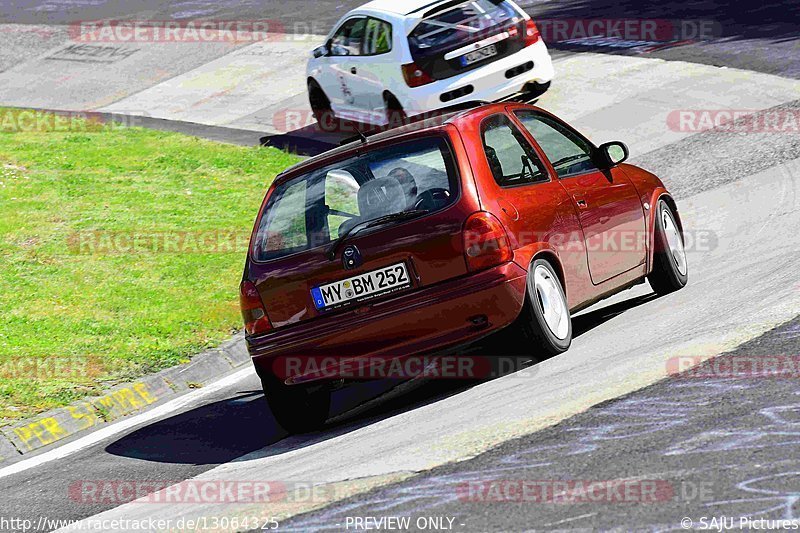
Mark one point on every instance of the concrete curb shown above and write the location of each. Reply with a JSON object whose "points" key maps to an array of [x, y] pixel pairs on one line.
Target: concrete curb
{"points": [[92, 413]]}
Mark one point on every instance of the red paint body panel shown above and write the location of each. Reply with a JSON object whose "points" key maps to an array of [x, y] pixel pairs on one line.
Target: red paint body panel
{"points": [[650, 189], [541, 219], [612, 220], [417, 322]]}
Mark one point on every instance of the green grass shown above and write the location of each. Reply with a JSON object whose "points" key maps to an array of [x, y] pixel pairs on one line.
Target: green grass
{"points": [[119, 315]]}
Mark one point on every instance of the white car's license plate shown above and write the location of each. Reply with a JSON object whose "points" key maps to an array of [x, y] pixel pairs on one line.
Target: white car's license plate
{"points": [[478, 55], [362, 287]]}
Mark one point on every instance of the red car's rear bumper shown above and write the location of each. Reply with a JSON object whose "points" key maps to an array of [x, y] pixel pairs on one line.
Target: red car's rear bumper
{"points": [[424, 321]]}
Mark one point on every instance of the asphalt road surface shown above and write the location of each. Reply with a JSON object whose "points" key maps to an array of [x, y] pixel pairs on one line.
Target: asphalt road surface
{"points": [[705, 444]]}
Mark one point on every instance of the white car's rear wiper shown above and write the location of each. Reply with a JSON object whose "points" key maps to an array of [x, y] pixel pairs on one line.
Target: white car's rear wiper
{"points": [[393, 217]]}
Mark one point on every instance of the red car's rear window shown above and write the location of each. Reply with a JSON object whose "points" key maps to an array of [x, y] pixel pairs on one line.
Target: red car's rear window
{"points": [[316, 208]]}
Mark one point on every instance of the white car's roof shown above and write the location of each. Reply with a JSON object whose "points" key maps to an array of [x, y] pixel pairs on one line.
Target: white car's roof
{"points": [[399, 7]]}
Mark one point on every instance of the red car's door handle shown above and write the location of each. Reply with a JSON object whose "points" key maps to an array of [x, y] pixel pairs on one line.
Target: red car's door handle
{"points": [[582, 204]]}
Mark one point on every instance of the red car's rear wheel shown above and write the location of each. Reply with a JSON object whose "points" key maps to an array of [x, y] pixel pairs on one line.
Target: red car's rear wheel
{"points": [[297, 408], [546, 321]]}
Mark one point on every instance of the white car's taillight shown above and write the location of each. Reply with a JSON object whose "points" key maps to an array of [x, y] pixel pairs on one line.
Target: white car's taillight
{"points": [[415, 76], [532, 34]]}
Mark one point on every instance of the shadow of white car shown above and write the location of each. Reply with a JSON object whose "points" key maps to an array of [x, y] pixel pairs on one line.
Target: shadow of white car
{"points": [[391, 59]]}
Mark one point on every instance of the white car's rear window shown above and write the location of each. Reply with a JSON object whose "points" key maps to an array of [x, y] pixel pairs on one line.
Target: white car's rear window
{"points": [[460, 23]]}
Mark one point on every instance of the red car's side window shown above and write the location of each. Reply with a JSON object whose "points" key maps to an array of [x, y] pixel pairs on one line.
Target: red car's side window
{"points": [[512, 161], [569, 154]]}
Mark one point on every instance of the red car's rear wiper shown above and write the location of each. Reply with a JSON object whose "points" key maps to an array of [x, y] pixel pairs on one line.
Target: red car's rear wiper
{"points": [[393, 217]]}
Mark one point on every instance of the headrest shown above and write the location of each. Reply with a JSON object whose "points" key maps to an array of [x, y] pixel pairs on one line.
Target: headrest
{"points": [[494, 162], [381, 196]]}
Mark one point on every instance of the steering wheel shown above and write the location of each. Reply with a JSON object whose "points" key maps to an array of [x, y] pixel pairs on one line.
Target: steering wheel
{"points": [[432, 199]]}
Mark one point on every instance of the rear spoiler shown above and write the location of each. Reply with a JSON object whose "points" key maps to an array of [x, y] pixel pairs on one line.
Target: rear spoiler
{"points": [[440, 7]]}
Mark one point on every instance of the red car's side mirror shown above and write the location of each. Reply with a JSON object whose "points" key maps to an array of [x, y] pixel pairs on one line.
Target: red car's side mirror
{"points": [[613, 153]]}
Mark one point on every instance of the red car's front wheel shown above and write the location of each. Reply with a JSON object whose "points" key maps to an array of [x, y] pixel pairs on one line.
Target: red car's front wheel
{"points": [[670, 268]]}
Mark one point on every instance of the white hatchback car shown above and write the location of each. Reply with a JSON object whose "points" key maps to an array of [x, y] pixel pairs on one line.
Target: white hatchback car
{"points": [[395, 58]]}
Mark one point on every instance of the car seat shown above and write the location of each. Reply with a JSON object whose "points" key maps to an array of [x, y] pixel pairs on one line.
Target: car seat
{"points": [[376, 198]]}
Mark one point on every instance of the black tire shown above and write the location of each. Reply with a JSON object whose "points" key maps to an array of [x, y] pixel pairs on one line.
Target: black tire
{"points": [[533, 323], [535, 89], [666, 276], [320, 106], [298, 408], [395, 115]]}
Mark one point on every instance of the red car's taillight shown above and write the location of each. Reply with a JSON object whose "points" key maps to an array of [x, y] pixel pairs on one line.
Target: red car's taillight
{"points": [[486, 242], [532, 34], [415, 76], [253, 311]]}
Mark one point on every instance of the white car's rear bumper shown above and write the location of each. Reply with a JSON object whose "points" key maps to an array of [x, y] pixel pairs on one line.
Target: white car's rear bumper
{"points": [[488, 83]]}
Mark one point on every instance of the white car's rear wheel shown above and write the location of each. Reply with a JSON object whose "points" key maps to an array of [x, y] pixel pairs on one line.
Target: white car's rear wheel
{"points": [[320, 105], [535, 89], [395, 114]]}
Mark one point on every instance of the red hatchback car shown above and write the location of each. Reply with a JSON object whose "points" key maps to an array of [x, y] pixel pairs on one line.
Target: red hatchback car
{"points": [[435, 234]]}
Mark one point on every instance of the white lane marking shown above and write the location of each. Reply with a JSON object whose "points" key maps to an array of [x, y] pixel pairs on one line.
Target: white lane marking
{"points": [[125, 424], [587, 515]]}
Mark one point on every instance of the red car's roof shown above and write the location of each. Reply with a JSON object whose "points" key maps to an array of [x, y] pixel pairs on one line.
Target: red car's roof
{"points": [[428, 125]]}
